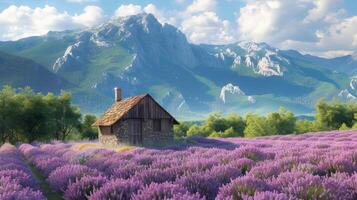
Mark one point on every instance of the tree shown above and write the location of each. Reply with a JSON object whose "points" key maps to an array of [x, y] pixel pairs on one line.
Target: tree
{"points": [[199, 130], [181, 129], [257, 126], [64, 116], [9, 115], [304, 126], [344, 127], [87, 130], [283, 121], [330, 116], [33, 115]]}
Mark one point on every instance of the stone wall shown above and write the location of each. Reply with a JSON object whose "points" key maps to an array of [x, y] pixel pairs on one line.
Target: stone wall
{"points": [[150, 137], [122, 134], [109, 140]]}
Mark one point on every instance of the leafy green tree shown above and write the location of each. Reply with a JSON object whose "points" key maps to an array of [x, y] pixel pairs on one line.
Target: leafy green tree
{"points": [[87, 130], [34, 114], [218, 123], [63, 117], [283, 121], [9, 115], [181, 129], [199, 131], [257, 126], [227, 133], [304, 126], [344, 127], [237, 124], [330, 116]]}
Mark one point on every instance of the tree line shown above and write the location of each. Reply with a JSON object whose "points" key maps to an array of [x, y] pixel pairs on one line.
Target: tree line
{"points": [[26, 116], [332, 115]]}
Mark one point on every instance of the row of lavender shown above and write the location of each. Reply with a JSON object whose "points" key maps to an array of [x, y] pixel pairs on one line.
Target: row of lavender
{"points": [[311, 166], [16, 178]]}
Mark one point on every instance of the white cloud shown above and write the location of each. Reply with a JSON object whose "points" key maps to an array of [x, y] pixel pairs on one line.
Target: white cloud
{"points": [[127, 10], [207, 28], [162, 16], [312, 26], [22, 21], [92, 15], [201, 6]]}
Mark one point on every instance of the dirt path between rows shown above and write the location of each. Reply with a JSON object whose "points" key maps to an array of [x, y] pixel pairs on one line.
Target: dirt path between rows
{"points": [[45, 188]]}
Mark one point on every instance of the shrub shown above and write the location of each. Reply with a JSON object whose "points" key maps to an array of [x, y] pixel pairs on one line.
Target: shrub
{"points": [[165, 191], [242, 187], [201, 183], [61, 177], [117, 189], [81, 188]]}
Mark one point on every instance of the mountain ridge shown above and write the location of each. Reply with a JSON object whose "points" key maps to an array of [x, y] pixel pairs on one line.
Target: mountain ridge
{"points": [[142, 55]]}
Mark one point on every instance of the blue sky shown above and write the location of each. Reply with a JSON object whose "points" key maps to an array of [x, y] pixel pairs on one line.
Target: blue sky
{"points": [[322, 27]]}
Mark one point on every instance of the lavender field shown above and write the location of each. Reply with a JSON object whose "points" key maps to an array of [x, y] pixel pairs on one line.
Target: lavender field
{"points": [[309, 166]]}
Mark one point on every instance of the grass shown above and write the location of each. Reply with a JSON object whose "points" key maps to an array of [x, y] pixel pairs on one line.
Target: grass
{"points": [[85, 146], [47, 191]]}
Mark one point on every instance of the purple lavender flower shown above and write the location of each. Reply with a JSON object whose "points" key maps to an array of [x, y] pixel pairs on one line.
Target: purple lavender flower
{"points": [[268, 195], [20, 177], [154, 175], [242, 187], [61, 177], [81, 188], [165, 191], [11, 190], [117, 189], [201, 183], [300, 185], [224, 173]]}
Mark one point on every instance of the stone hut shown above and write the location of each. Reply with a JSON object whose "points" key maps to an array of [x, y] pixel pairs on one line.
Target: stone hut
{"points": [[136, 120]]}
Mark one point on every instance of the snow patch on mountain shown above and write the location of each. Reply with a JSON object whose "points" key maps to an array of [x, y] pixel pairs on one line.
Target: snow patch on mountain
{"points": [[268, 68], [253, 46], [251, 99], [346, 95], [70, 55], [260, 57], [353, 83], [230, 88]]}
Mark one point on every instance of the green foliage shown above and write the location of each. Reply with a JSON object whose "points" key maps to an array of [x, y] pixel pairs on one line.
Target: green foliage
{"points": [[282, 122], [199, 131], [216, 126], [64, 117], [29, 116], [181, 129], [344, 127], [258, 126], [226, 133], [87, 130], [331, 116], [304, 126]]}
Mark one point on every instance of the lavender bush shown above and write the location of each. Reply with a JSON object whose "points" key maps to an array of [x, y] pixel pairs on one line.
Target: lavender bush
{"points": [[319, 165]]}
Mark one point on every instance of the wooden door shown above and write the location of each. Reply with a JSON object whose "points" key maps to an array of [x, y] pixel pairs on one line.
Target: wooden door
{"points": [[137, 134]]}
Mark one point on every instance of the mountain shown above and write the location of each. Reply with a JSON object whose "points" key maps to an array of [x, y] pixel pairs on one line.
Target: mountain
{"points": [[141, 55], [20, 72]]}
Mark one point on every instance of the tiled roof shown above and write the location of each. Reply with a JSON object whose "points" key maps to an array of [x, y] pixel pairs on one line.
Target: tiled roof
{"points": [[118, 110]]}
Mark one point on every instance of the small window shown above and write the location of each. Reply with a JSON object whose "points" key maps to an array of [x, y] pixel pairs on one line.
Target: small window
{"points": [[157, 125]]}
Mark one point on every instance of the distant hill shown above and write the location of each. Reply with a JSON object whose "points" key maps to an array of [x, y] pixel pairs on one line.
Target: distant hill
{"points": [[141, 55], [20, 72]]}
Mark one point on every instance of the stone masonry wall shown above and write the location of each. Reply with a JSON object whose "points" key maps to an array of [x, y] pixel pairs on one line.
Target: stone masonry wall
{"points": [[121, 134]]}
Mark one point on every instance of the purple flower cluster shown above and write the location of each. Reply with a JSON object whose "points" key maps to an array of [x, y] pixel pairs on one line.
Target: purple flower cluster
{"points": [[16, 179], [309, 166]]}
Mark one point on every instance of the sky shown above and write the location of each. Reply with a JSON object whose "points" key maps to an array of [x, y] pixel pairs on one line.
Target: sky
{"points": [[325, 28]]}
